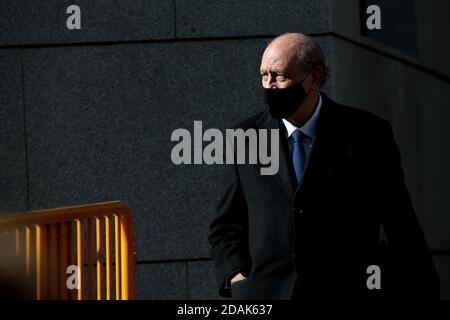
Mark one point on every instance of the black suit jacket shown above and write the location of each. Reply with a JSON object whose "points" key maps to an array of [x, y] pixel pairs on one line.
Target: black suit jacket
{"points": [[317, 239]]}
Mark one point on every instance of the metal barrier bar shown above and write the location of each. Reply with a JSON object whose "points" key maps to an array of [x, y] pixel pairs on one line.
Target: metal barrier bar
{"points": [[71, 253], [41, 262], [63, 262], [90, 244], [27, 250], [80, 258], [125, 261], [108, 256], [53, 262], [98, 224], [118, 258]]}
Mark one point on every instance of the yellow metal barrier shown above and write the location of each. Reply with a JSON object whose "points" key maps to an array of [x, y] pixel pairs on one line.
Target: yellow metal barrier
{"points": [[56, 246]]}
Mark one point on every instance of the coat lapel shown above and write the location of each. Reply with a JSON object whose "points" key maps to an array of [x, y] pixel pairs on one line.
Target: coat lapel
{"points": [[284, 175], [325, 145]]}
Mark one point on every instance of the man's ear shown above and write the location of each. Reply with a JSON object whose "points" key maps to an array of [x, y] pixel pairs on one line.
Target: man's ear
{"points": [[317, 77]]}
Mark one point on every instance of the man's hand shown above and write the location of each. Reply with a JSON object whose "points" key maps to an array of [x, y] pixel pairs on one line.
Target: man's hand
{"points": [[237, 278]]}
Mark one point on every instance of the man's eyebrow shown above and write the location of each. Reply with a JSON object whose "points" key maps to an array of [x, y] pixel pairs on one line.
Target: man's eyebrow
{"points": [[273, 70]]}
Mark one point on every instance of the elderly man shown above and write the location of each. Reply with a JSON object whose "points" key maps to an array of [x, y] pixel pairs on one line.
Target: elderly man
{"points": [[336, 221]]}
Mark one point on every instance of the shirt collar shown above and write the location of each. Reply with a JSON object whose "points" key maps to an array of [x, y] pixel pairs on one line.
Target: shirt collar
{"points": [[309, 128]]}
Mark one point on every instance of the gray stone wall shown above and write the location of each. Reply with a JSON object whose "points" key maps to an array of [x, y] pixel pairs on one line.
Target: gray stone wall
{"points": [[86, 115]]}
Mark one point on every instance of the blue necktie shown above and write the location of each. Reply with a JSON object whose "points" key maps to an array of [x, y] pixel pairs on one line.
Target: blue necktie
{"points": [[297, 154]]}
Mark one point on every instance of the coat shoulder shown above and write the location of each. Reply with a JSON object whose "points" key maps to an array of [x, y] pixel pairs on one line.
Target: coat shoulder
{"points": [[358, 120]]}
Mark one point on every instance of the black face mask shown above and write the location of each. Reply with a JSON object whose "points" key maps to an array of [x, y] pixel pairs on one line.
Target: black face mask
{"points": [[283, 103]]}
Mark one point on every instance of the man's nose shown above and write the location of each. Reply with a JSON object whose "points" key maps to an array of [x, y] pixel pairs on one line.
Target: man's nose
{"points": [[271, 82]]}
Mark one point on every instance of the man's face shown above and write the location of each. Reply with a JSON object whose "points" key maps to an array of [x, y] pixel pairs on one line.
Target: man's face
{"points": [[278, 68]]}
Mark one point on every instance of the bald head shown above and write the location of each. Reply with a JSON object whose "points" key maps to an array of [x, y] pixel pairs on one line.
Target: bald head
{"points": [[287, 46], [293, 55]]}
